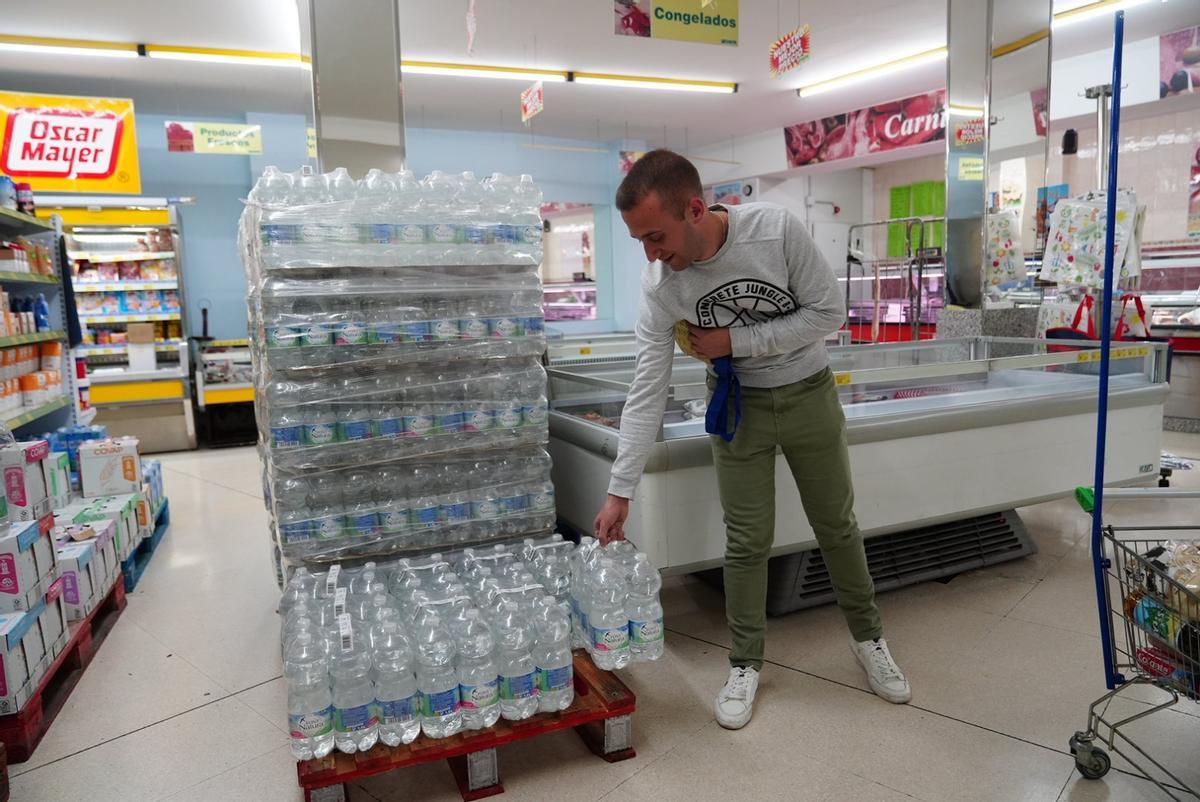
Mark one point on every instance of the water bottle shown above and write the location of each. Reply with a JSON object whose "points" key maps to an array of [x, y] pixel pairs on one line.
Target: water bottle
{"points": [[527, 202], [375, 194], [478, 678], [355, 423], [315, 323], [514, 662], [298, 620], [294, 516], [310, 704], [413, 320], [391, 502], [340, 187], [540, 497], [272, 188], [384, 325], [607, 616], [301, 586], [354, 716], [500, 189], [552, 657], [645, 611], [444, 325], [410, 227], [362, 518], [443, 226], [325, 502], [280, 324], [388, 413], [424, 506], [350, 327], [361, 580], [441, 712], [287, 428], [472, 320], [397, 702]]}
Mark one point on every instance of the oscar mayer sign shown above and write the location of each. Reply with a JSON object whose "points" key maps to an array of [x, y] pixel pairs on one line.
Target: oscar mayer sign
{"points": [[58, 143]]}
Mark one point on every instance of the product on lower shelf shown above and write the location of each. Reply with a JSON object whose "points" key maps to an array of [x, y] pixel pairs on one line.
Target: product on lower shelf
{"points": [[442, 643]]}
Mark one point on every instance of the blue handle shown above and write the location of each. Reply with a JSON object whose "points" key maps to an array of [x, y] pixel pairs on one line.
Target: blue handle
{"points": [[716, 418]]}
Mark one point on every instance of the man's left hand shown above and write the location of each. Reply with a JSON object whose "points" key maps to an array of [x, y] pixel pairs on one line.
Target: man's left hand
{"points": [[709, 343]]}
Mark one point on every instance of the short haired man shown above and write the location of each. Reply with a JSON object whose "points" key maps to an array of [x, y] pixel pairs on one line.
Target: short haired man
{"points": [[751, 285]]}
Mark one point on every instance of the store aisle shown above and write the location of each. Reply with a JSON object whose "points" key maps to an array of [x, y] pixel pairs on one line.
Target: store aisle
{"points": [[184, 701]]}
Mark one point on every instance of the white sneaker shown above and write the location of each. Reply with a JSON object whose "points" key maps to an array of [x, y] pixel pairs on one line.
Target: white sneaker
{"points": [[883, 675], [735, 702]]}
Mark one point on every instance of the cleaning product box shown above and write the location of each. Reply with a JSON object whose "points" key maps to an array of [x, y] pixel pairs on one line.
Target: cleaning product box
{"points": [[107, 467], [69, 514], [53, 620], [124, 525], [153, 483], [24, 479], [57, 468], [26, 565], [82, 574], [23, 660], [124, 508], [145, 515]]}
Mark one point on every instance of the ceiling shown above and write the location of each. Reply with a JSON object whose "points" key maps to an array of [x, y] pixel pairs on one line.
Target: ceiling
{"points": [[534, 33]]}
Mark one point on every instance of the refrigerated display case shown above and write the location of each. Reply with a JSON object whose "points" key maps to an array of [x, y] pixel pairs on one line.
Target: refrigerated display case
{"points": [[938, 431], [1170, 289], [224, 391]]}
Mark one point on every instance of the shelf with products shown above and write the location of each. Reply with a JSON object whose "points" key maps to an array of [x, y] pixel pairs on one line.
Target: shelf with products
{"points": [[14, 223], [118, 349], [575, 300], [142, 318], [125, 286], [36, 337], [26, 278], [28, 416], [119, 256]]}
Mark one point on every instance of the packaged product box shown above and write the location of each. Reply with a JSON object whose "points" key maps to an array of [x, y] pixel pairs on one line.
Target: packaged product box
{"points": [[145, 517], [101, 535], [126, 506], [53, 620], [26, 565], [107, 467], [123, 520], [24, 479], [68, 514], [22, 658], [57, 469], [82, 575]]}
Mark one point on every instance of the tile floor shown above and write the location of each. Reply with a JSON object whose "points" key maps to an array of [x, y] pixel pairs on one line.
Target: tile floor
{"points": [[185, 700]]}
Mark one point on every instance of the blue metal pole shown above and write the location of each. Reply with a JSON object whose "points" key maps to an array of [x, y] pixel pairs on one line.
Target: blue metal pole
{"points": [[1099, 562]]}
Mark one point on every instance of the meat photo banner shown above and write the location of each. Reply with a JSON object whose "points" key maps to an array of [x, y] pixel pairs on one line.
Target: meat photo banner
{"points": [[876, 129]]}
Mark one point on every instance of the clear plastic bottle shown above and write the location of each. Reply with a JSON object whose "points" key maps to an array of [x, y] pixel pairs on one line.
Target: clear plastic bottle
{"points": [[310, 705], [540, 497], [383, 321], [293, 514], [514, 663], [350, 326], [320, 424], [389, 415], [441, 711], [362, 518], [645, 611], [355, 423], [423, 505], [607, 616], [392, 503], [552, 657], [444, 322], [328, 508], [478, 679], [397, 702], [300, 586], [413, 320], [287, 428], [355, 725], [410, 228], [314, 322]]}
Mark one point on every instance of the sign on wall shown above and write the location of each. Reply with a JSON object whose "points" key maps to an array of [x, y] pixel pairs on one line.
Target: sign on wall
{"points": [[714, 22], [61, 143], [887, 126], [1179, 62], [234, 139]]}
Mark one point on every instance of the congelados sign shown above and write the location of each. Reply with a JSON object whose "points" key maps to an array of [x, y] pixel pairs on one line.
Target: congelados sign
{"points": [[715, 23], [58, 143]]}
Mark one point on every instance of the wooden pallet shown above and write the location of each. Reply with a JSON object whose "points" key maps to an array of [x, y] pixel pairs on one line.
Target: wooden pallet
{"points": [[135, 564], [601, 714], [22, 731]]}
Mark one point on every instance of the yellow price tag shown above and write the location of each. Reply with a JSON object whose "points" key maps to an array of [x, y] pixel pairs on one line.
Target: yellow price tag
{"points": [[842, 379], [584, 351]]}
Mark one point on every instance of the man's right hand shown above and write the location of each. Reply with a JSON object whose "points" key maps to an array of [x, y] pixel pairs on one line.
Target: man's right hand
{"points": [[610, 521]]}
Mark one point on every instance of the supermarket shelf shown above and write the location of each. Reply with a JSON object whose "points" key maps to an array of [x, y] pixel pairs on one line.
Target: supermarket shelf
{"points": [[36, 337], [14, 222], [123, 286], [116, 349], [243, 343], [36, 412], [27, 278], [234, 355], [144, 318], [107, 376], [228, 393], [86, 416], [117, 256]]}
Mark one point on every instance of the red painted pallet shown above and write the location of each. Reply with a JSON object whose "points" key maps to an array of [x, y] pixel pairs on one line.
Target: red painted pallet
{"points": [[601, 714], [22, 731]]}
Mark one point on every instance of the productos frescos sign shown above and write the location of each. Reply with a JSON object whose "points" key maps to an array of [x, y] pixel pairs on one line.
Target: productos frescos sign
{"points": [[886, 126], [58, 143]]}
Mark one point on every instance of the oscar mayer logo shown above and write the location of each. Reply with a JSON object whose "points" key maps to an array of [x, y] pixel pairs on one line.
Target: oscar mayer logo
{"points": [[61, 143]]}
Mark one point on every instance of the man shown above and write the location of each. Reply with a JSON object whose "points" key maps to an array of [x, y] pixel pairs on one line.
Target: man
{"points": [[750, 284]]}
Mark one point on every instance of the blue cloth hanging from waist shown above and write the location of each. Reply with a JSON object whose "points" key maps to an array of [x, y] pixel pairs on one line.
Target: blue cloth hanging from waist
{"points": [[727, 393]]}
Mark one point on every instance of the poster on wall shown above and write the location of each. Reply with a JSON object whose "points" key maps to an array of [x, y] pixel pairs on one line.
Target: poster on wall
{"points": [[1193, 228], [61, 143], [310, 135], [790, 50], [533, 100], [714, 22], [1179, 62], [728, 194], [1047, 197], [1039, 99], [627, 158], [887, 126], [228, 139]]}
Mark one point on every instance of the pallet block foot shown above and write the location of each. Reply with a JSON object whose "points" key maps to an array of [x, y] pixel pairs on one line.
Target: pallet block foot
{"points": [[610, 738], [330, 793], [477, 774]]}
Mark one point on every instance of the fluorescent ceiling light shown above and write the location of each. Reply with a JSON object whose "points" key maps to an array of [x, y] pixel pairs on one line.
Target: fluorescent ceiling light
{"points": [[875, 71], [1093, 10], [481, 71], [67, 47], [216, 55], [669, 84]]}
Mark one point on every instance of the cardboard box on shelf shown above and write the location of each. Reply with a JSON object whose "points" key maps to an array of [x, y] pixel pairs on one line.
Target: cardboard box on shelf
{"points": [[54, 620], [123, 518], [82, 575], [145, 516], [26, 565], [107, 467], [24, 479], [22, 658], [57, 468]]}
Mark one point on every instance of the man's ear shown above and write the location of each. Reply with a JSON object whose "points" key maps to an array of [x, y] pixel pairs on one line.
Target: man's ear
{"points": [[696, 209]]}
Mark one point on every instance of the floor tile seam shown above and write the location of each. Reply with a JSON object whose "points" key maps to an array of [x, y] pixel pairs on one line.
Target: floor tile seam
{"points": [[207, 480], [1052, 626], [176, 654], [261, 715], [222, 773], [652, 761]]}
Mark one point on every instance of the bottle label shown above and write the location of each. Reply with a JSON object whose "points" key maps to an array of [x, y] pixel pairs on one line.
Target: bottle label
{"points": [[424, 518], [296, 531], [394, 520], [364, 524], [329, 527], [542, 501], [283, 336], [339, 601], [354, 719], [391, 428], [477, 420], [514, 505], [445, 330], [448, 422], [395, 711], [351, 332], [320, 434], [418, 425], [355, 430], [535, 414], [386, 333], [554, 679], [456, 513], [485, 510], [311, 725], [442, 703], [535, 325], [475, 234], [645, 632], [610, 640], [416, 331], [531, 235], [482, 695], [504, 327], [521, 687], [287, 436], [410, 234], [473, 328], [316, 334], [312, 232], [505, 234], [380, 233], [443, 234], [509, 416], [274, 233]]}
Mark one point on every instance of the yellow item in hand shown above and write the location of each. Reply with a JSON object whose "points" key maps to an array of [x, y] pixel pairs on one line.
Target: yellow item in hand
{"points": [[681, 339]]}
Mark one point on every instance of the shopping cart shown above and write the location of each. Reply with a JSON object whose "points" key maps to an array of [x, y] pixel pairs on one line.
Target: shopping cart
{"points": [[1153, 640]]}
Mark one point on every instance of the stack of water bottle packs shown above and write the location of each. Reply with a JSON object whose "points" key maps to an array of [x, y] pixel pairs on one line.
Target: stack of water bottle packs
{"points": [[397, 320], [438, 644]]}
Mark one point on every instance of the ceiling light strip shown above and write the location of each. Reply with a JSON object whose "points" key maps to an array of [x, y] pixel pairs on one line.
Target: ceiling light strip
{"points": [[641, 82], [875, 71], [481, 71], [80, 47], [1092, 10], [222, 55]]}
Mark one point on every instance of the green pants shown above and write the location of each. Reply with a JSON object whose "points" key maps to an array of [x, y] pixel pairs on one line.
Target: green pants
{"points": [[805, 420]]}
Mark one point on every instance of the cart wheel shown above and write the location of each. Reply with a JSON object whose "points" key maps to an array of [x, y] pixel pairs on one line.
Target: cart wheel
{"points": [[1093, 764]]}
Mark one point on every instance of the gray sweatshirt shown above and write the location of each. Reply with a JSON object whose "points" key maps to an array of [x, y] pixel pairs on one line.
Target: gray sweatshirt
{"points": [[768, 283]]}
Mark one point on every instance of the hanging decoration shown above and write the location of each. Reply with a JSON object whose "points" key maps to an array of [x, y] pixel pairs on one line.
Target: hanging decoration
{"points": [[790, 50], [472, 26], [533, 100]]}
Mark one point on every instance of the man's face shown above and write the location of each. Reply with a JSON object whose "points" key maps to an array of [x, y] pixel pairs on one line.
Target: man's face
{"points": [[666, 237]]}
